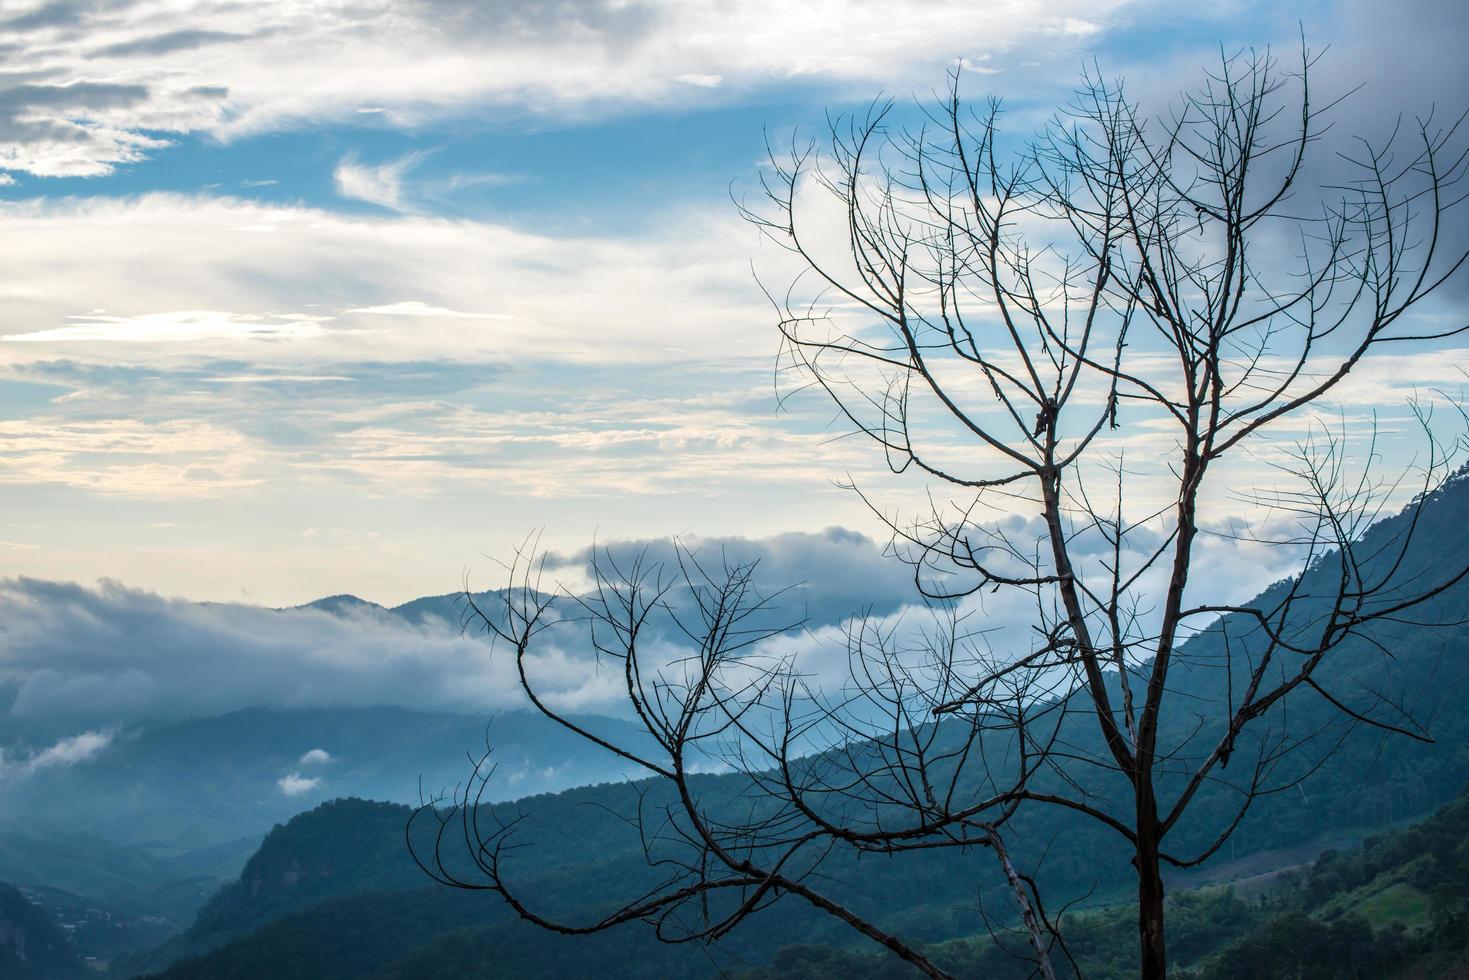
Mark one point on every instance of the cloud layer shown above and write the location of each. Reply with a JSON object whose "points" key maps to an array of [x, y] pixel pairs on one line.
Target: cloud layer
{"points": [[90, 84], [287, 283], [113, 652], [87, 658], [109, 654]]}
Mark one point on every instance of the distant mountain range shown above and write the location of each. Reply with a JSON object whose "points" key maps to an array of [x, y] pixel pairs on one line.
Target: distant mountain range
{"points": [[452, 609], [333, 894]]}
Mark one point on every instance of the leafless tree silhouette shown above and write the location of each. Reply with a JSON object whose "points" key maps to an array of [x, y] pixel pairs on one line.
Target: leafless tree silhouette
{"points": [[1011, 325], [889, 781]]}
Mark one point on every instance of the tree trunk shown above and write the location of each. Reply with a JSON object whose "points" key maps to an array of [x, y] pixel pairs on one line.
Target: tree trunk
{"points": [[1154, 957]]}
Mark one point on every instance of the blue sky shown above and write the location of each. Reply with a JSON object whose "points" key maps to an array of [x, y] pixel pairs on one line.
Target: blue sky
{"points": [[301, 298]]}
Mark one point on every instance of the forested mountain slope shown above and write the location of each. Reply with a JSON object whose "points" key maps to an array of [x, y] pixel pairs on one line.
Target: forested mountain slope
{"points": [[1395, 908], [580, 855]]}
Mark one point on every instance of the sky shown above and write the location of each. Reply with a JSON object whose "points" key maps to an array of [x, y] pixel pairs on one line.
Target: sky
{"points": [[305, 298]]}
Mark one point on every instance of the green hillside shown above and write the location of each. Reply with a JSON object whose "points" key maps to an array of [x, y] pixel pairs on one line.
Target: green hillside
{"points": [[1341, 916], [1397, 907], [579, 856]]}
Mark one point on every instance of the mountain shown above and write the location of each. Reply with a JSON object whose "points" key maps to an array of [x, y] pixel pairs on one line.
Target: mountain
{"points": [[375, 917], [450, 610], [325, 899], [328, 896], [334, 850], [579, 855], [342, 605], [31, 945], [98, 931]]}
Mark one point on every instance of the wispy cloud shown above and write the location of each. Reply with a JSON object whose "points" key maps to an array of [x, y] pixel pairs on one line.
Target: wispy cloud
{"points": [[120, 457], [275, 378], [176, 327], [415, 307], [685, 283], [64, 753], [467, 181], [380, 184]]}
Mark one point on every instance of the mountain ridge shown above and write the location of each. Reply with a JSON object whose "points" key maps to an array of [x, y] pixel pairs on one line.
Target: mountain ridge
{"points": [[1371, 781]]}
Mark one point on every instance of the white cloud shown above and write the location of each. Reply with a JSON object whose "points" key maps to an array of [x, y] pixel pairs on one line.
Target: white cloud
{"points": [[70, 751], [478, 290], [380, 184], [177, 327], [643, 400], [116, 75], [415, 307], [60, 755], [124, 457], [294, 784], [97, 657], [260, 379], [110, 654]]}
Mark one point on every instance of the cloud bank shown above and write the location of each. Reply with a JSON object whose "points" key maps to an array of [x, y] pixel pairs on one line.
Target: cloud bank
{"points": [[109, 654], [117, 653], [88, 658]]}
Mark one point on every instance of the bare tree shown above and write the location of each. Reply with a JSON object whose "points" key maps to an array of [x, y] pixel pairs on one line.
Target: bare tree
{"points": [[1119, 273], [890, 781], [1007, 324]]}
